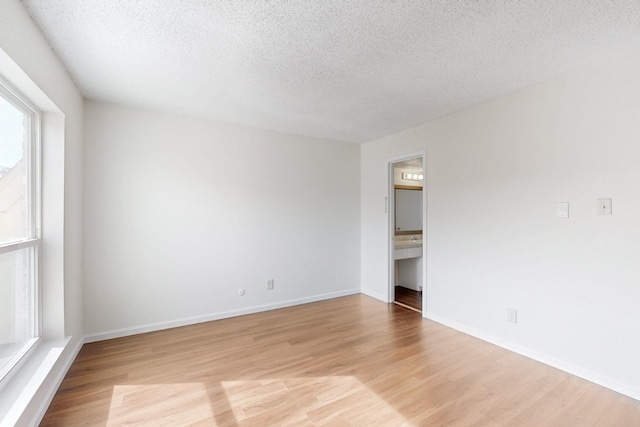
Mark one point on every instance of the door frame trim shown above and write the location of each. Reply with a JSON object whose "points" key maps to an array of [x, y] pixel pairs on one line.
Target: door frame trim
{"points": [[391, 226]]}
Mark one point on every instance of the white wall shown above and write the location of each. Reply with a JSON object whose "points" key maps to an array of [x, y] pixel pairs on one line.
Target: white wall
{"points": [[494, 175], [181, 213], [28, 63]]}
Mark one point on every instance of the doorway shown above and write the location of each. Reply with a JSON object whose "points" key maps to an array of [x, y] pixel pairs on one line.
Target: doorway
{"points": [[407, 223]]}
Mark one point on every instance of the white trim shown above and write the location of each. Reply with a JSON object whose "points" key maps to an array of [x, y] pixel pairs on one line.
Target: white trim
{"points": [[391, 231], [391, 224], [16, 246], [117, 333], [425, 231], [570, 368], [407, 156], [375, 295], [17, 99], [50, 394], [19, 359], [32, 165], [39, 378]]}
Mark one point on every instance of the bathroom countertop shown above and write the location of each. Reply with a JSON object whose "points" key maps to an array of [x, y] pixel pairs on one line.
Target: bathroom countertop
{"points": [[406, 244]]}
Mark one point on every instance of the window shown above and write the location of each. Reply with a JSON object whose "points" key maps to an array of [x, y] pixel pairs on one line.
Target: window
{"points": [[19, 228]]}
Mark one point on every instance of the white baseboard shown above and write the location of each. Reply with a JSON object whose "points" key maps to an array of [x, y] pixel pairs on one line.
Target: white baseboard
{"points": [[572, 369], [118, 333], [376, 295]]}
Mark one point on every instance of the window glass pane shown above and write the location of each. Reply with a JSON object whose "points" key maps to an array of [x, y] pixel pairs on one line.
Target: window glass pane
{"points": [[17, 311], [14, 197]]}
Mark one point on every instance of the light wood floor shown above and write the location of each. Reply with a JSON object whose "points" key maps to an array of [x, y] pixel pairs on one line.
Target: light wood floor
{"points": [[351, 361]]}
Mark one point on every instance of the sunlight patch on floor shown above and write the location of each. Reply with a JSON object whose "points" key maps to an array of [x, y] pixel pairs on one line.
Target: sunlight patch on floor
{"points": [[301, 401], [320, 401], [170, 404]]}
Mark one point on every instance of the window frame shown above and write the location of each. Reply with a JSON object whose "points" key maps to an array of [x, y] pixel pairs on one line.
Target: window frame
{"points": [[33, 240]]}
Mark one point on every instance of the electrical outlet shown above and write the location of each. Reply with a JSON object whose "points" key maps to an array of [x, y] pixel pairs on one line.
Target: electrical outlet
{"points": [[512, 315], [604, 206], [562, 210], [270, 284]]}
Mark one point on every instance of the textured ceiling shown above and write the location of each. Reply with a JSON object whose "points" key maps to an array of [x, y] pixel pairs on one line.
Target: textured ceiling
{"points": [[349, 70]]}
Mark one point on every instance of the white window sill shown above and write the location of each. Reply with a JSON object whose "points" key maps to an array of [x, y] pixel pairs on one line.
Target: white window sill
{"points": [[24, 399]]}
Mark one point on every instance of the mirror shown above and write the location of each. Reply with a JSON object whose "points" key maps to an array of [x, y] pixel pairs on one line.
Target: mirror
{"points": [[408, 211]]}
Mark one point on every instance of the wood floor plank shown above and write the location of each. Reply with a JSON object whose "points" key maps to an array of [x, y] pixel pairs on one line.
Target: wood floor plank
{"points": [[350, 361]]}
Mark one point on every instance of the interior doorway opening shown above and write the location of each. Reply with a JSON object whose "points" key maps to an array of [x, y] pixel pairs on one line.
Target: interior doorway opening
{"points": [[407, 222]]}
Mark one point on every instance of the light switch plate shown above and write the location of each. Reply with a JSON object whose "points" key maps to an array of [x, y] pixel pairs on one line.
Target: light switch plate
{"points": [[562, 210], [604, 207]]}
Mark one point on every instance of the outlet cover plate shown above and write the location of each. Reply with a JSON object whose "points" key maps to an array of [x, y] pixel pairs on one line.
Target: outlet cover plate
{"points": [[562, 210], [604, 207]]}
